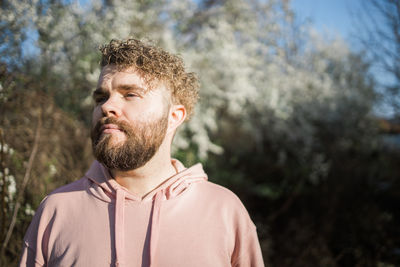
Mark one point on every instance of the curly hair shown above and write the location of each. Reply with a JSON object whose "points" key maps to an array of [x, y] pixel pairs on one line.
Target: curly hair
{"points": [[154, 65]]}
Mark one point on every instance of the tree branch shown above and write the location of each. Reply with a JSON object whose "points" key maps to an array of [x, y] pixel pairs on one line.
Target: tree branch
{"points": [[24, 183], [4, 188]]}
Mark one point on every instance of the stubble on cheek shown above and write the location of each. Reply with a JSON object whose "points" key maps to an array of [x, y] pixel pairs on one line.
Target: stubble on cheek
{"points": [[113, 139]]}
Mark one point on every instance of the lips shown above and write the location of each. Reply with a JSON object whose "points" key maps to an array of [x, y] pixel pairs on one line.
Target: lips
{"points": [[109, 128]]}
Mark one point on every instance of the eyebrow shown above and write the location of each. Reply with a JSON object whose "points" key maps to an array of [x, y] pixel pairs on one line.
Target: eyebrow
{"points": [[131, 87], [122, 87]]}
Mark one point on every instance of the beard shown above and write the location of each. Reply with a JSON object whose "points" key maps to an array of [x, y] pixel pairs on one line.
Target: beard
{"points": [[141, 144]]}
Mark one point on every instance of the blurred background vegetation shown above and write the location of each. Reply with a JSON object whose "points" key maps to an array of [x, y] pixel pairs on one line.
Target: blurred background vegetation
{"points": [[286, 119]]}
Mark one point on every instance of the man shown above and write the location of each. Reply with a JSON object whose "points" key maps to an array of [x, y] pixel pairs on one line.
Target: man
{"points": [[136, 206]]}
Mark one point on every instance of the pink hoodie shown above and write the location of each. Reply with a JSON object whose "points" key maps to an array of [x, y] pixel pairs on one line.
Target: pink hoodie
{"points": [[186, 221]]}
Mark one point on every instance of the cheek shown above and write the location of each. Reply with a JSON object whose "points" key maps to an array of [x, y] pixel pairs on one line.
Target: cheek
{"points": [[137, 112], [96, 115], [144, 116]]}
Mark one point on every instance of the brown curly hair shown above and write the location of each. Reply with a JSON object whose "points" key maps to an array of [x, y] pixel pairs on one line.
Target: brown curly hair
{"points": [[154, 65]]}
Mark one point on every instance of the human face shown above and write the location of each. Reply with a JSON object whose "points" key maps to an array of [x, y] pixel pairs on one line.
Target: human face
{"points": [[130, 121]]}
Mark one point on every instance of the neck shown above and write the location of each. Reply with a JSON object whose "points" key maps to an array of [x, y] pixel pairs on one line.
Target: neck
{"points": [[142, 181]]}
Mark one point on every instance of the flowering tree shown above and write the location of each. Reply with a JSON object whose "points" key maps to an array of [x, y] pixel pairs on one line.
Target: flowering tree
{"points": [[270, 87], [247, 53]]}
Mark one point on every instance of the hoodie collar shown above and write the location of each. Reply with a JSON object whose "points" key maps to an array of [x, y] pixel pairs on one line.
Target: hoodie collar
{"points": [[105, 186], [107, 189]]}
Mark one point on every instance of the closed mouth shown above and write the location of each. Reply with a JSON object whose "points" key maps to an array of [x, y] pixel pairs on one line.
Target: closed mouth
{"points": [[109, 128]]}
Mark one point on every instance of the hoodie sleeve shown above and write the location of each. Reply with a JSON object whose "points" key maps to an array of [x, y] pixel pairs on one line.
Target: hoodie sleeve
{"points": [[35, 240], [28, 257], [247, 249]]}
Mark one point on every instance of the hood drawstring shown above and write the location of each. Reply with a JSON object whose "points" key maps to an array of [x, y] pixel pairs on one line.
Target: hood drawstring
{"points": [[155, 225], [119, 228]]}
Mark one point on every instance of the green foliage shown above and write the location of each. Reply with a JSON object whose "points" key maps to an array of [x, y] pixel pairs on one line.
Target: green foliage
{"points": [[285, 119], [63, 155]]}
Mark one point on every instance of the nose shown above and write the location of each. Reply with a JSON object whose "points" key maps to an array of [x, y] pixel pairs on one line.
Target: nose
{"points": [[111, 107]]}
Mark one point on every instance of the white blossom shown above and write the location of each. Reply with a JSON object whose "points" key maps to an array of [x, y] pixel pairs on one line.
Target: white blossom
{"points": [[252, 63]]}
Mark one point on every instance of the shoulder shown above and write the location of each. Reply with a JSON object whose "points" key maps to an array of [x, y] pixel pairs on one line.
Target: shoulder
{"points": [[66, 194], [76, 186], [61, 203], [218, 192], [224, 200]]}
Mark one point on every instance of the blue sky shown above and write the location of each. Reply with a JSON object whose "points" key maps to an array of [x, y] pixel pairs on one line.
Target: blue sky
{"points": [[328, 15], [334, 17]]}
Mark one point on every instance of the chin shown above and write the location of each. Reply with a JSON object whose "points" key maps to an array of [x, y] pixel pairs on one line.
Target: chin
{"points": [[112, 140], [117, 139]]}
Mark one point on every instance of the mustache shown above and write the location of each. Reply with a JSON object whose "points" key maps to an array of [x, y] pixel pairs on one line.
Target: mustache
{"points": [[122, 125]]}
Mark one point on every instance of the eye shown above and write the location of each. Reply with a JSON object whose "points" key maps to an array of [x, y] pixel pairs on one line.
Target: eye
{"points": [[131, 95], [100, 98]]}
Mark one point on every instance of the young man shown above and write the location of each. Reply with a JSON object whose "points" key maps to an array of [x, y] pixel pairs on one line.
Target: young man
{"points": [[136, 206]]}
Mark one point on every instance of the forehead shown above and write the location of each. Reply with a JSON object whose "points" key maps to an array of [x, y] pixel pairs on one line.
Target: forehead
{"points": [[112, 76]]}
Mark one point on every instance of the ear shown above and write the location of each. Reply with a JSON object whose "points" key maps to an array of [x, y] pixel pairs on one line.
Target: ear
{"points": [[177, 116]]}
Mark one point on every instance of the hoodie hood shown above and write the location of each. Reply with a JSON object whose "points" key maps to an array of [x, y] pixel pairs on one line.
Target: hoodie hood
{"points": [[105, 188]]}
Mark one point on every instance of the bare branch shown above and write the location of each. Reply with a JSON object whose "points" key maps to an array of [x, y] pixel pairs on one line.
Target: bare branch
{"points": [[4, 187], [24, 183], [379, 32]]}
